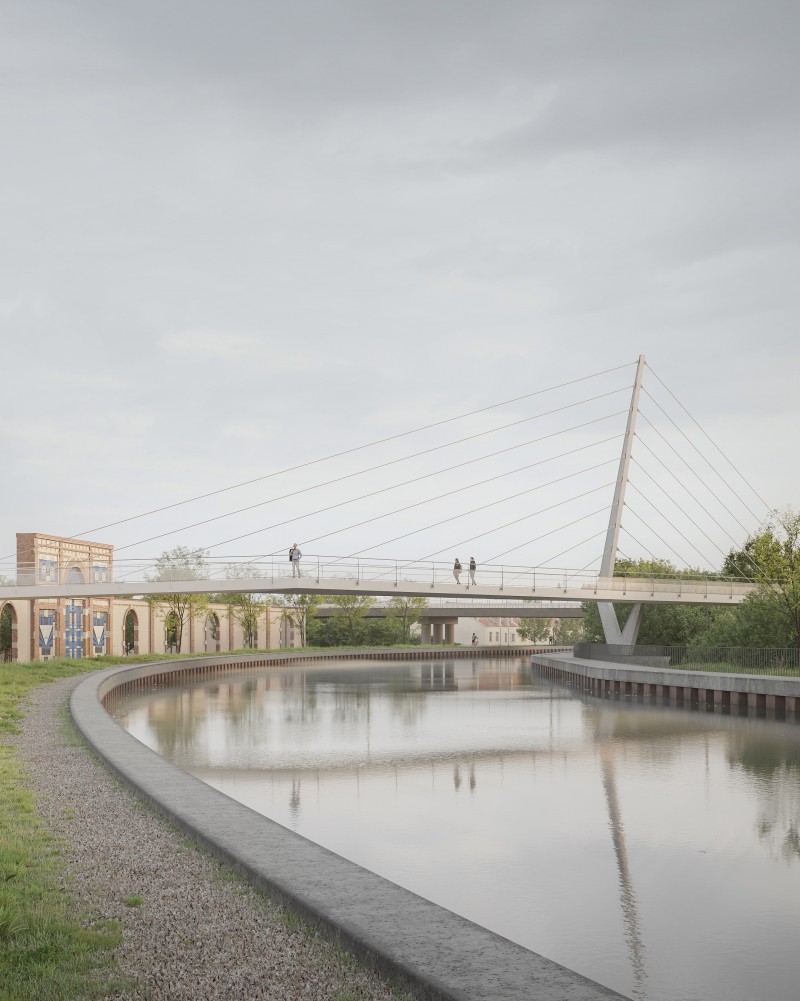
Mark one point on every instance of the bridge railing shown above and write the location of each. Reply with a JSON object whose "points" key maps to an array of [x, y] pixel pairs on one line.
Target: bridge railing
{"points": [[323, 569], [320, 568], [651, 585]]}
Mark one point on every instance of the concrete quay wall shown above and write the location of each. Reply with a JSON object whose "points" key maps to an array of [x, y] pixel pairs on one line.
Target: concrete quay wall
{"points": [[435, 954], [702, 688]]}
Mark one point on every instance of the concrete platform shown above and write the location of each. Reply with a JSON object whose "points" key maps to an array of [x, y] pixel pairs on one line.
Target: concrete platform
{"points": [[712, 688]]}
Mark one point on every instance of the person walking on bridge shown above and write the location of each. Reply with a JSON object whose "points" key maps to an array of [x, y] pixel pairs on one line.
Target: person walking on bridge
{"points": [[473, 566], [295, 556], [457, 570]]}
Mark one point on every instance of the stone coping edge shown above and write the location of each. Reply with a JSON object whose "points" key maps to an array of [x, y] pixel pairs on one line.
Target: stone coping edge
{"points": [[430, 951], [762, 684]]}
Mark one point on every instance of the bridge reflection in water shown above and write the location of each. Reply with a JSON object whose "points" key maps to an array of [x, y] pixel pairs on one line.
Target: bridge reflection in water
{"points": [[525, 807]]}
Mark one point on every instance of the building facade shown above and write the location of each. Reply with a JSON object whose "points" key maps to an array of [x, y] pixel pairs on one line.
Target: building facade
{"points": [[45, 628]]}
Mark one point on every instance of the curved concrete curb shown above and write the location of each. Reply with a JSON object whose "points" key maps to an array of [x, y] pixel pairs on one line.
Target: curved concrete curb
{"points": [[434, 953]]}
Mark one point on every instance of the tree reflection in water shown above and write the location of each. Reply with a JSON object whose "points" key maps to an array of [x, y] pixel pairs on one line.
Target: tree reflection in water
{"points": [[771, 760]]}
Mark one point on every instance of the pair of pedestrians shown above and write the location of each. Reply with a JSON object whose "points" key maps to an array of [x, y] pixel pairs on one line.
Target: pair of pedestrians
{"points": [[457, 568]]}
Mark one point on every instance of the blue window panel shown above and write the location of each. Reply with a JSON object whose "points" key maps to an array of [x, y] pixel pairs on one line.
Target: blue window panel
{"points": [[73, 630], [47, 631], [99, 622], [47, 571]]}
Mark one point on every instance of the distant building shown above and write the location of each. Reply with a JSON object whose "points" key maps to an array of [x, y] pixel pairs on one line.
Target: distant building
{"points": [[43, 628], [495, 631]]}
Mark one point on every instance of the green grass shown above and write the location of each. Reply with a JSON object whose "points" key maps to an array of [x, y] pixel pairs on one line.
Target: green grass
{"points": [[723, 667], [49, 949]]}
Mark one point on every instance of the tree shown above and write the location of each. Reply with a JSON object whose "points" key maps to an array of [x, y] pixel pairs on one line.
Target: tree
{"points": [[333, 630], [568, 632], [6, 626], [405, 611], [661, 625], [299, 609], [771, 559], [128, 634], [753, 623], [534, 630], [245, 606], [351, 609], [179, 564]]}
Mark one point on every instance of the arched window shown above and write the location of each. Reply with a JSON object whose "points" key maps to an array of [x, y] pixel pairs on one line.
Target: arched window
{"points": [[172, 634], [212, 633], [130, 633], [8, 633]]}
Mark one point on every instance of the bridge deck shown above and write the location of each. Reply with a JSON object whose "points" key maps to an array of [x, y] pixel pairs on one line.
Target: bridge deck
{"points": [[519, 587]]}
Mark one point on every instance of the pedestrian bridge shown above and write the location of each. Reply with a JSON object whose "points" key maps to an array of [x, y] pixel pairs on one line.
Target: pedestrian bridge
{"points": [[73, 569], [340, 576]]}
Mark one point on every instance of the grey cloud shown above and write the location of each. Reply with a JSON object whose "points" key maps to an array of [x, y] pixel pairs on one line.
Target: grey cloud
{"points": [[401, 205]]}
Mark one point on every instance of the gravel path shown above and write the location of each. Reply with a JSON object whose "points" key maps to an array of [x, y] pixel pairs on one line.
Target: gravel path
{"points": [[199, 934]]}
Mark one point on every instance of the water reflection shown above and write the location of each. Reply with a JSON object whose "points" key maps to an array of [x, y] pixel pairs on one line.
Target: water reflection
{"points": [[773, 768], [652, 849], [627, 893]]}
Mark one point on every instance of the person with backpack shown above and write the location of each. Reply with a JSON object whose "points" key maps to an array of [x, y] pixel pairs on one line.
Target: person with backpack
{"points": [[473, 566], [294, 558], [457, 570]]}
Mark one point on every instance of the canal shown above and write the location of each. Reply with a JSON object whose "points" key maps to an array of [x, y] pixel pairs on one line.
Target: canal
{"points": [[653, 849]]}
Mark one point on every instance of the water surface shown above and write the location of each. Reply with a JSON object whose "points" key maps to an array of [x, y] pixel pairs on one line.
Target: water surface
{"points": [[652, 849]]}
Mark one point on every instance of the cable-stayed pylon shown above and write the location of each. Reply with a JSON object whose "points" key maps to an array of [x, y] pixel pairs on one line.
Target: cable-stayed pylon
{"points": [[608, 616]]}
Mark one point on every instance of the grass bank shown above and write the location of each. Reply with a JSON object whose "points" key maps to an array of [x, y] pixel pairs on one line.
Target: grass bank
{"points": [[49, 950]]}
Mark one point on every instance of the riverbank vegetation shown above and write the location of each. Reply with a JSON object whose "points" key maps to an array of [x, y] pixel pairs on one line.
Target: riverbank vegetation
{"points": [[769, 617], [49, 950]]}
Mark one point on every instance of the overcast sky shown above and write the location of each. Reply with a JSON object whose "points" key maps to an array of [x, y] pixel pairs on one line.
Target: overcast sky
{"points": [[237, 237]]}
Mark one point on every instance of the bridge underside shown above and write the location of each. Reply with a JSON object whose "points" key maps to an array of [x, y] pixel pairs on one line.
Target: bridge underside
{"points": [[462, 611]]}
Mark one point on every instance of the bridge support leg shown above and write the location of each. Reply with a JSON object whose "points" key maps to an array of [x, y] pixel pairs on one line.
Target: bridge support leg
{"points": [[449, 633], [425, 628], [611, 630], [437, 632]]}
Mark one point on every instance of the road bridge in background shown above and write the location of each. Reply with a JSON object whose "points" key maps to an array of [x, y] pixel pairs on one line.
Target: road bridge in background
{"points": [[464, 611]]}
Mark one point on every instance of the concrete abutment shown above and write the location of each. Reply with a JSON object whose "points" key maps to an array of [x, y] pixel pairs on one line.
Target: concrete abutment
{"points": [[739, 693]]}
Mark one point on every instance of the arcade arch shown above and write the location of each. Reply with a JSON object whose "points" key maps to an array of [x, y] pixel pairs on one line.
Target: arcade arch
{"points": [[130, 632], [8, 633], [212, 644]]}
